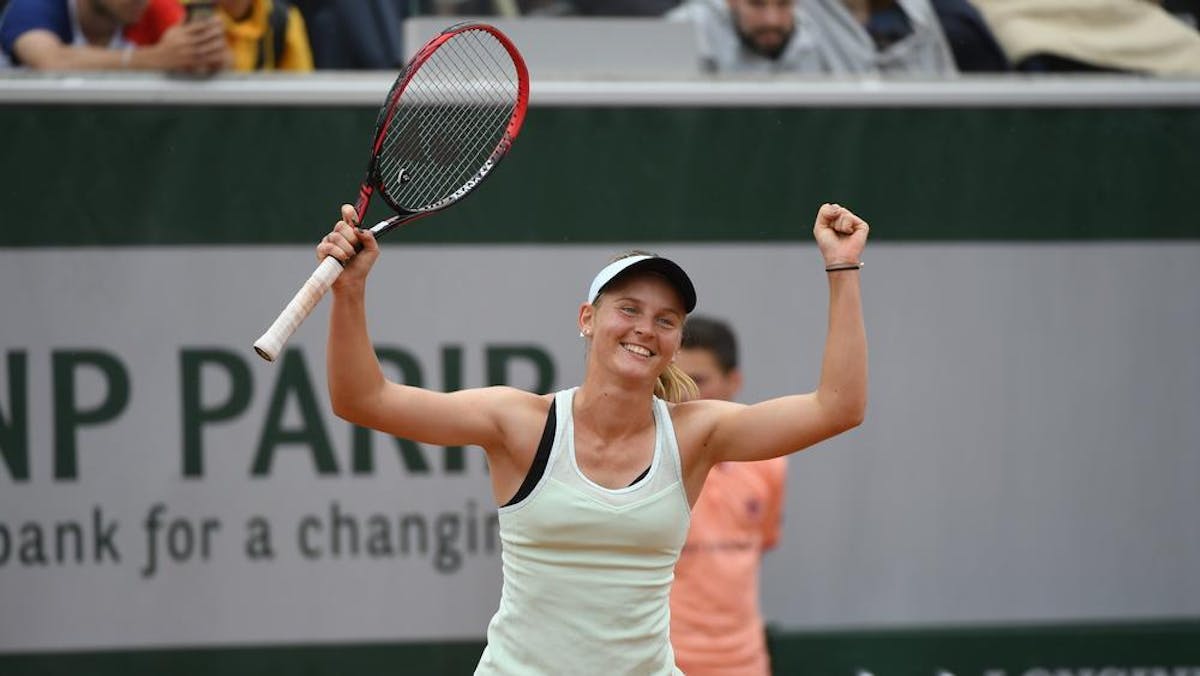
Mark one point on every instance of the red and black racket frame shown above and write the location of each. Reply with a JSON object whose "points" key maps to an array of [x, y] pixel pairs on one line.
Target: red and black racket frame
{"points": [[372, 181]]}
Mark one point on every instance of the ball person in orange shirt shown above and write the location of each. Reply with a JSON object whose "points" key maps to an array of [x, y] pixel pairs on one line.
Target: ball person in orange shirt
{"points": [[716, 627]]}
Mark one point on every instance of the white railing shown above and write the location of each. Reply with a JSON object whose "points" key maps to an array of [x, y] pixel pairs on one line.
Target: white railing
{"points": [[334, 88]]}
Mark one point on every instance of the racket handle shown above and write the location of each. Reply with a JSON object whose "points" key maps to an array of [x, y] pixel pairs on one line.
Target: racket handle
{"points": [[271, 342]]}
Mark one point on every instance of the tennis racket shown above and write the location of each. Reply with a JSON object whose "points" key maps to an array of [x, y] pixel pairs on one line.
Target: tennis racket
{"points": [[451, 116]]}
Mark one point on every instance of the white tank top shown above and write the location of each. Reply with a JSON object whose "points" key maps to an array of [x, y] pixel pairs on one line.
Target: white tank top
{"points": [[588, 569]]}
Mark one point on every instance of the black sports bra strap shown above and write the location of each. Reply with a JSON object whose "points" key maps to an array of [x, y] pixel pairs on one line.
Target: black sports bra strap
{"points": [[540, 459], [640, 477]]}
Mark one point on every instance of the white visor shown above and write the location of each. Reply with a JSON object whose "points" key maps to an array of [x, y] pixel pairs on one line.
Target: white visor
{"points": [[667, 268]]}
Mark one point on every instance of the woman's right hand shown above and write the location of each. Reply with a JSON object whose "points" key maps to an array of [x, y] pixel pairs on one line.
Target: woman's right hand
{"points": [[356, 249]]}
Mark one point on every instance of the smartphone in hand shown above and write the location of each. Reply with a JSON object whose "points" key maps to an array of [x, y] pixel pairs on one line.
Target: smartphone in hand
{"points": [[199, 9]]}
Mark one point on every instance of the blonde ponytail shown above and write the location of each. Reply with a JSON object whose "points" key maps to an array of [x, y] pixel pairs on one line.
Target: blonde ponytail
{"points": [[675, 386]]}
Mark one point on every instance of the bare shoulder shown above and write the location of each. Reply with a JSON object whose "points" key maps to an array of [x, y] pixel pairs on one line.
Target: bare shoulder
{"points": [[521, 417], [695, 420], [511, 402], [695, 423], [698, 410], [510, 395]]}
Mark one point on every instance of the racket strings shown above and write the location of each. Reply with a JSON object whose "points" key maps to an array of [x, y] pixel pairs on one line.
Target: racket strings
{"points": [[479, 127], [436, 148], [484, 125], [449, 122]]}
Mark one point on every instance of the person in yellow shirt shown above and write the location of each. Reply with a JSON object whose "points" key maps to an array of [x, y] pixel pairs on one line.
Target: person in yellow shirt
{"points": [[266, 35], [716, 626]]}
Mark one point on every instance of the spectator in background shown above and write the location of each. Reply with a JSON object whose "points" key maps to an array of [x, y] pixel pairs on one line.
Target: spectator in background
{"points": [[110, 35], [623, 7], [363, 34], [751, 36], [716, 626], [4, 60], [542, 8], [266, 35], [1187, 11], [880, 37], [971, 39], [1093, 35]]}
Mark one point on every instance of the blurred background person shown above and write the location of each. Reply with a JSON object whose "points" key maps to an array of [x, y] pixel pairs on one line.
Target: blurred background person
{"points": [[110, 35], [971, 40], [1187, 11], [880, 37], [716, 625], [1136, 36], [751, 36], [4, 60], [623, 7], [358, 35], [266, 35]]}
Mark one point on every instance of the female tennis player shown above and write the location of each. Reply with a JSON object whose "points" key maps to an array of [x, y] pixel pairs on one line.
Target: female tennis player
{"points": [[595, 483]]}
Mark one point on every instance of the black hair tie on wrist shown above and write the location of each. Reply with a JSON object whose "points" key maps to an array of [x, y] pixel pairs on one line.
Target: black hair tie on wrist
{"points": [[844, 266]]}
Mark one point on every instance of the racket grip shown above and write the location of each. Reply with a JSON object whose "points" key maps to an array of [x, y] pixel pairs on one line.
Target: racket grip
{"points": [[271, 343]]}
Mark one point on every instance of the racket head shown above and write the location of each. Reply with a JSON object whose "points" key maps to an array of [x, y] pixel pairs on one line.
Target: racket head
{"points": [[450, 117]]}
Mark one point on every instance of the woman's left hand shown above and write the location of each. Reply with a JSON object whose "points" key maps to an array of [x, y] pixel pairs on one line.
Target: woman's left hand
{"points": [[841, 235]]}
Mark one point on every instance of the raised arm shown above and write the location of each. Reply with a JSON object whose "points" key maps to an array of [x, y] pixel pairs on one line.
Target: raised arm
{"points": [[787, 424], [358, 390]]}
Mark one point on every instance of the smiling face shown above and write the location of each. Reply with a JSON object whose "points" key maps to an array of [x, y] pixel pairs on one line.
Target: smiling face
{"points": [[634, 327]]}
